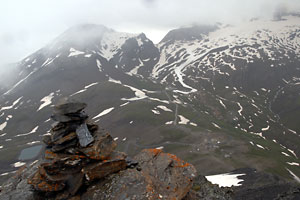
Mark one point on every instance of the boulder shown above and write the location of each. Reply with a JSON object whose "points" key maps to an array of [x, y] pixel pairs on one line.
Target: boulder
{"points": [[160, 176], [101, 148], [69, 107]]}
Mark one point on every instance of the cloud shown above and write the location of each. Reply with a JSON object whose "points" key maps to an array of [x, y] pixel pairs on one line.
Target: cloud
{"points": [[28, 25]]}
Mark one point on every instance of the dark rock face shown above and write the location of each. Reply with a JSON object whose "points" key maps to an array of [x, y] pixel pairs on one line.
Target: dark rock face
{"points": [[159, 176]]}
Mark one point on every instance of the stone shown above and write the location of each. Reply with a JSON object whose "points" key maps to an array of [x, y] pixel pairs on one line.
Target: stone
{"points": [[47, 140], [69, 107], [40, 183], [60, 147], [67, 138], [84, 135], [92, 127], [162, 176], [101, 169], [50, 155], [62, 129], [69, 117], [101, 149], [74, 183]]}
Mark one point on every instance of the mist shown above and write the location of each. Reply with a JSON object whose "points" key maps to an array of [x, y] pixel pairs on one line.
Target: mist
{"points": [[27, 26]]}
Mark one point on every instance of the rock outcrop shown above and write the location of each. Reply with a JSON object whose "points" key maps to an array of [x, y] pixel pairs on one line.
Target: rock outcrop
{"points": [[80, 162]]}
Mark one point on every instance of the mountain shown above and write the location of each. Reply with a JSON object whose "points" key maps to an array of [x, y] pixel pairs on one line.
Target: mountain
{"points": [[220, 97]]}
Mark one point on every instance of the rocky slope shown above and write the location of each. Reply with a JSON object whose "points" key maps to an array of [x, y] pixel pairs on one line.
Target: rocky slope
{"points": [[220, 97], [80, 162]]}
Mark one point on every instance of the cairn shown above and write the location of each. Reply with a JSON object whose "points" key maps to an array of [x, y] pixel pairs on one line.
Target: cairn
{"points": [[77, 153]]}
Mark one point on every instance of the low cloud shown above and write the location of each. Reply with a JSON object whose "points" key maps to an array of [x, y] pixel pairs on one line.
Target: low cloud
{"points": [[28, 25]]}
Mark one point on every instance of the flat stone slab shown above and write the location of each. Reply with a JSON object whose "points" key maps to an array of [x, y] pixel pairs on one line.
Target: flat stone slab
{"points": [[69, 107]]}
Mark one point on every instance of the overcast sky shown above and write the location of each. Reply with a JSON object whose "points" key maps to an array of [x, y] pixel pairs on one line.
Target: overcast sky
{"points": [[27, 25]]}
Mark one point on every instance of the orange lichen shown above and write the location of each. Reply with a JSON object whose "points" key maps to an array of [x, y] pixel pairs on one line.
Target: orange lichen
{"points": [[154, 151], [180, 163]]}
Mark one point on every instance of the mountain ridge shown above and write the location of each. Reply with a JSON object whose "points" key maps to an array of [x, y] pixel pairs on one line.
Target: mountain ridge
{"points": [[214, 101]]}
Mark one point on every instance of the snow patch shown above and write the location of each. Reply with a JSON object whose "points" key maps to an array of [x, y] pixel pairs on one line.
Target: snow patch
{"points": [[47, 101], [285, 154], [293, 163], [225, 180], [99, 65], [294, 175], [155, 112], [183, 120], [11, 106], [215, 125], [104, 112], [74, 52], [265, 129], [33, 142], [164, 108], [18, 164], [2, 126], [31, 132]]}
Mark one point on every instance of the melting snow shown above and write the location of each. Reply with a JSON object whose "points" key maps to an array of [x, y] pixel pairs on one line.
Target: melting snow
{"points": [[47, 101], [225, 180], [88, 55], [164, 108], [161, 147], [155, 112], [32, 131], [178, 72], [99, 65], [258, 145], [285, 154], [134, 71], [33, 142], [292, 152], [112, 41], [18, 164], [240, 110], [183, 120], [85, 88], [221, 102], [294, 175], [1, 147], [2, 126], [104, 112], [124, 104], [293, 163], [114, 81], [193, 124], [265, 129], [116, 138], [10, 107], [74, 52], [215, 125], [139, 94], [170, 122]]}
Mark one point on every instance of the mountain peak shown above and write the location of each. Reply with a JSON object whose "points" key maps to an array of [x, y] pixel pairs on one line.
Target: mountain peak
{"points": [[188, 33]]}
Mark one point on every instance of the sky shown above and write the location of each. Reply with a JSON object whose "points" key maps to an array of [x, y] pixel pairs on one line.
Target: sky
{"points": [[28, 25]]}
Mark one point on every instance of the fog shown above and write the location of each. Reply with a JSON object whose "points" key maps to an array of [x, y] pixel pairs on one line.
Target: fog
{"points": [[28, 25]]}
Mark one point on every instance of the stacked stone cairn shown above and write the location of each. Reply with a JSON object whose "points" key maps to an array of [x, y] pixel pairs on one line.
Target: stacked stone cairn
{"points": [[77, 153]]}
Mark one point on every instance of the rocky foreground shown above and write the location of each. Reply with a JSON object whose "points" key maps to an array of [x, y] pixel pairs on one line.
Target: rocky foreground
{"points": [[80, 162]]}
